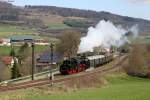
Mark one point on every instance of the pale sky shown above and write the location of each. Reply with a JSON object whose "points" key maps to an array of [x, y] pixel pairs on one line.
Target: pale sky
{"points": [[131, 8]]}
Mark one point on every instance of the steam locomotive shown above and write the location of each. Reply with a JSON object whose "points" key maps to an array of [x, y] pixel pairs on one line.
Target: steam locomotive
{"points": [[81, 63]]}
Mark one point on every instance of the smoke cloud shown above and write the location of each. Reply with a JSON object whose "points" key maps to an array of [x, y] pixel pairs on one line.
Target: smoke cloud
{"points": [[105, 34]]}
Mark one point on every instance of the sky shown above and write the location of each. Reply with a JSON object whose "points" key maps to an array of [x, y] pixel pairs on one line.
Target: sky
{"points": [[131, 8]]}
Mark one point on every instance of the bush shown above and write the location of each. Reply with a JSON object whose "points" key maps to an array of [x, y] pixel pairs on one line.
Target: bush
{"points": [[5, 73], [139, 61], [124, 48]]}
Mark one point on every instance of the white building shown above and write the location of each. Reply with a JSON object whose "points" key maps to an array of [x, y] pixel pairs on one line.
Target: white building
{"points": [[5, 42]]}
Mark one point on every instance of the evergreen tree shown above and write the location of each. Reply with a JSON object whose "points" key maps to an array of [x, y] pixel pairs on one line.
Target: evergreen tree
{"points": [[12, 52], [15, 70]]}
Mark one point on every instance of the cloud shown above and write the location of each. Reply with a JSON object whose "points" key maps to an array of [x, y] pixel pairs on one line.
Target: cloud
{"points": [[140, 1]]}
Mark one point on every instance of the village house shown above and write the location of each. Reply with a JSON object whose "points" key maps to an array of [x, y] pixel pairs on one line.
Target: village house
{"points": [[8, 60], [41, 42], [19, 40], [5, 42]]}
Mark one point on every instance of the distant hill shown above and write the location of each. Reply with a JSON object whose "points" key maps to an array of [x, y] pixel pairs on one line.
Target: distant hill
{"points": [[144, 25], [8, 12], [43, 16]]}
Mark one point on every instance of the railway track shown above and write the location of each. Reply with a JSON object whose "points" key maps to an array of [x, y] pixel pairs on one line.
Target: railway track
{"points": [[47, 81]]}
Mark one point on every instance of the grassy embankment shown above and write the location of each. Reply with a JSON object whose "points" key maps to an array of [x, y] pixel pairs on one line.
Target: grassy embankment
{"points": [[119, 87]]}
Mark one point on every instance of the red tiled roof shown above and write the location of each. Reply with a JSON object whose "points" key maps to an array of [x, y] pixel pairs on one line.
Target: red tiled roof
{"points": [[7, 60], [1, 41]]}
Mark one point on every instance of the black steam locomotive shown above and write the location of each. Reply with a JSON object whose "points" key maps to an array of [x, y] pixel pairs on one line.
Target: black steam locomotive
{"points": [[79, 64]]}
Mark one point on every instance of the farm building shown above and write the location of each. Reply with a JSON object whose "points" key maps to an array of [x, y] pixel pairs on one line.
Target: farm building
{"points": [[44, 60], [28, 38], [41, 42]]}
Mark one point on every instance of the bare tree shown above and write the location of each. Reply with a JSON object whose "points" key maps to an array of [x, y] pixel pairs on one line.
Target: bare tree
{"points": [[23, 53], [69, 42], [24, 60], [139, 61]]}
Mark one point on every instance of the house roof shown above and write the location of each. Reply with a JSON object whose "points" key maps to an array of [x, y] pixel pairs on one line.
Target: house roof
{"points": [[17, 38], [7, 60], [46, 57]]}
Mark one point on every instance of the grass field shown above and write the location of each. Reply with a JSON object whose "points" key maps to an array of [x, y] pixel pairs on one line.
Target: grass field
{"points": [[140, 40], [58, 26], [119, 87], [9, 30], [5, 50]]}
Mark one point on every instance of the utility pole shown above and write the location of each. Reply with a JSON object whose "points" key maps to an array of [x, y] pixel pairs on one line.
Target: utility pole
{"points": [[51, 63], [33, 60], [51, 46], [11, 45], [11, 42]]}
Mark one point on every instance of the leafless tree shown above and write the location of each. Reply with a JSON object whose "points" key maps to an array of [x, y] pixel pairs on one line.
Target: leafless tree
{"points": [[139, 61], [69, 42]]}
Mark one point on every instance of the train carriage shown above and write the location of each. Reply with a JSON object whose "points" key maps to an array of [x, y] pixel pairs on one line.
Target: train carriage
{"points": [[79, 64]]}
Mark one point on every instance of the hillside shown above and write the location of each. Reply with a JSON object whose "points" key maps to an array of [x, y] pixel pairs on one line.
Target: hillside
{"points": [[52, 21], [8, 12], [93, 16]]}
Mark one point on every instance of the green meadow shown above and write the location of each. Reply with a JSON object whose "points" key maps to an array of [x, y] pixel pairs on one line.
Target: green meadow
{"points": [[118, 87], [58, 26], [9, 30], [5, 50]]}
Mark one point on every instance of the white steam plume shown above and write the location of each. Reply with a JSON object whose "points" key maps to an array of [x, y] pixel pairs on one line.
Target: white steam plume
{"points": [[105, 33]]}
